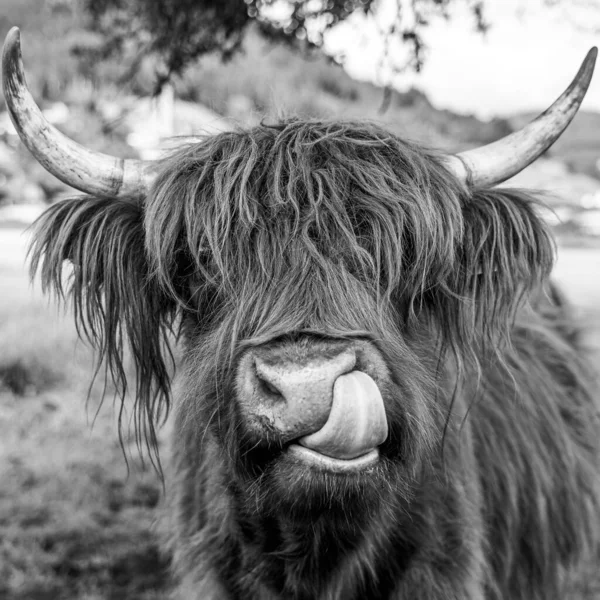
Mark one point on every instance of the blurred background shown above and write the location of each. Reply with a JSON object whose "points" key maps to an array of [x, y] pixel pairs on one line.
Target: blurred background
{"points": [[126, 77]]}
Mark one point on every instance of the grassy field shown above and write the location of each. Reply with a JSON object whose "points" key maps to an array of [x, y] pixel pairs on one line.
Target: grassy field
{"points": [[75, 521]]}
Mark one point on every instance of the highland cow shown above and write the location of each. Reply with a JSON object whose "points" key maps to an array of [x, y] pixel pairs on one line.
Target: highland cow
{"points": [[380, 393]]}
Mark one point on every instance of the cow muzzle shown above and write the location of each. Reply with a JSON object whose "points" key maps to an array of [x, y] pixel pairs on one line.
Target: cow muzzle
{"points": [[320, 406]]}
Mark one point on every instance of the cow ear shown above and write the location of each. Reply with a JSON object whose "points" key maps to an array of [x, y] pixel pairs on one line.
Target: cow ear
{"points": [[507, 251], [114, 299]]}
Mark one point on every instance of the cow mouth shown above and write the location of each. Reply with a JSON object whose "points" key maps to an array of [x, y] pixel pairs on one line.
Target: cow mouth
{"points": [[324, 462], [355, 428]]}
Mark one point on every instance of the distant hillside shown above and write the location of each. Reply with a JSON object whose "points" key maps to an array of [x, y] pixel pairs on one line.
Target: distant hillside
{"points": [[579, 145], [269, 80], [264, 81]]}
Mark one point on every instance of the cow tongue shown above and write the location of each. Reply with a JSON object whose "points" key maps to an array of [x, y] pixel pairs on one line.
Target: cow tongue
{"points": [[357, 421]]}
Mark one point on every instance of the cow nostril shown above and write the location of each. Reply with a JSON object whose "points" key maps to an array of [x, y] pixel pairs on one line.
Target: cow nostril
{"points": [[268, 387]]}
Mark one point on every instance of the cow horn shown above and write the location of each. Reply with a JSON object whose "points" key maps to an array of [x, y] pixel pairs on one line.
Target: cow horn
{"points": [[91, 172], [500, 160]]}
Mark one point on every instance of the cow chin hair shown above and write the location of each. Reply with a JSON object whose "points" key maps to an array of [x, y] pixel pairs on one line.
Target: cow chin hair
{"points": [[336, 226], [305, 494]]}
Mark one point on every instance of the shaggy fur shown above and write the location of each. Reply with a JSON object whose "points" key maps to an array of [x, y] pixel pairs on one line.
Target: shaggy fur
{"points": [[287, 235]]}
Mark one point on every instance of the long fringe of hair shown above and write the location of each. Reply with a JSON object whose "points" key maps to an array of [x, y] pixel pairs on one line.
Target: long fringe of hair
{"points": [[296, 225], [117, 306]]}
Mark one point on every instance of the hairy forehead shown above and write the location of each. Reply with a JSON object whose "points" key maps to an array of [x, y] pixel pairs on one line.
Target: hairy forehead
{"points": [[291, 163], [313, 177], [294, 197]]}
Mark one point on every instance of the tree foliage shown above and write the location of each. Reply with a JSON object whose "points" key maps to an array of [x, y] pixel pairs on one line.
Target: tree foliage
{"points": [[177, 32]]}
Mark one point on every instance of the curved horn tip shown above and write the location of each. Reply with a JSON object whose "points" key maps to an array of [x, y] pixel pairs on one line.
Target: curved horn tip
{"points": [[12, 39], [504, 158], [589, 62], [11, 53], [592, 53], [91, 172]]}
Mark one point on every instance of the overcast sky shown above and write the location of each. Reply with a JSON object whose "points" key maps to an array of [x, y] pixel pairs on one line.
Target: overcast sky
{"points": [[525, 61]]}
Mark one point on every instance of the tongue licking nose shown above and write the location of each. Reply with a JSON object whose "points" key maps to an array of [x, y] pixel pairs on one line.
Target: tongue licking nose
{"points": [[356, 424]]}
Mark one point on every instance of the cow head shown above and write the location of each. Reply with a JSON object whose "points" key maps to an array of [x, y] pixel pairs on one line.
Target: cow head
{"points": [[331, 283]]}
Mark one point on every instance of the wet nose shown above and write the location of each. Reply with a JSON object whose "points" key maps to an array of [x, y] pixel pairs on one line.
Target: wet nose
{"points": [[294, 397]]}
